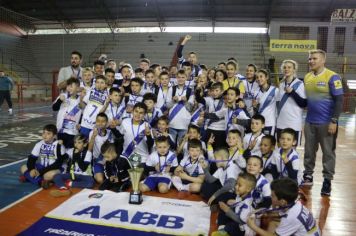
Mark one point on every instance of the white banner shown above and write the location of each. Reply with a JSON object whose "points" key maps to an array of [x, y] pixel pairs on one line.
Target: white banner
{"points": [[109, 213]]}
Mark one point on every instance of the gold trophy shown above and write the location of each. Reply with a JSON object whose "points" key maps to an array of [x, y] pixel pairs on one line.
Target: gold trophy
{"points": [[135, 175]]}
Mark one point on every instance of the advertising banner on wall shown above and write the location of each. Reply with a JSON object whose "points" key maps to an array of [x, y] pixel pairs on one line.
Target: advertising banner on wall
{"points": [[279, 45]]}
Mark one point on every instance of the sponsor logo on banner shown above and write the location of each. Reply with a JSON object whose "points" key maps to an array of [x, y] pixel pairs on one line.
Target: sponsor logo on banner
{"points": [[344, 15], [93, 212], [277, 45]]}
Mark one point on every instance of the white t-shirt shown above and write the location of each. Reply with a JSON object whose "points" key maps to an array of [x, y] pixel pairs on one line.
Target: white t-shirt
{"points": [[68, 115], [169, 160], [292, 156], [94, 100], [164, 98], [47, 152], [291, 115], [130, 131], [298, 221], [243, 208], [267, 105], [262, 189], [182, 118], [193, 169], [67, 72], [230, 172], [115, 112], [99, 141], [213, 106]]}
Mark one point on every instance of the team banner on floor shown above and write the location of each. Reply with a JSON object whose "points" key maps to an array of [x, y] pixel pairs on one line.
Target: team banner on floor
{"points": [[104, 213]]}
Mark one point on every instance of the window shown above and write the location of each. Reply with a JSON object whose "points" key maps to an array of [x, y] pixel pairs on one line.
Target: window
{"points": [[294, 32], [323, 38], [339, 40]]}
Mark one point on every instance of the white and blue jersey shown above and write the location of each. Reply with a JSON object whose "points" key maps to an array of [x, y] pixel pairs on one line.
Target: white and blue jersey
{"points": [[47, 153], [291, 169], [298, 221], [95, 101], [262, 190]]}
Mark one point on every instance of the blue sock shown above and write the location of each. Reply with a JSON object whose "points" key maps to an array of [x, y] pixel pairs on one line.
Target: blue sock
{"points": [[36, 180]]}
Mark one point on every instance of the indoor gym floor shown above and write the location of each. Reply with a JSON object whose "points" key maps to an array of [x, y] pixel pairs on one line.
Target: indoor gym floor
{"points": [[23, 204]]}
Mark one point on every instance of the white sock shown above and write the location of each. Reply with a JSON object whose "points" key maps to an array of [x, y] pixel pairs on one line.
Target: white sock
{"points": [[177, 182], [185, 187]]}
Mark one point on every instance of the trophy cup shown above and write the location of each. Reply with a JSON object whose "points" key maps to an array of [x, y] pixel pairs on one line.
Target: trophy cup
{"points": [[135, 175]]}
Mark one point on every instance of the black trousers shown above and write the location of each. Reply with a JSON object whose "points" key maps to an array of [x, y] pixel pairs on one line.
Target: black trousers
{"points": [[5, 94]]}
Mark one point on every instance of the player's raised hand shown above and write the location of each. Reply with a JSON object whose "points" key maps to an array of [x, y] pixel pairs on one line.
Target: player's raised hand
{"points": [[211, 139], [252, 144], [188, 37]]}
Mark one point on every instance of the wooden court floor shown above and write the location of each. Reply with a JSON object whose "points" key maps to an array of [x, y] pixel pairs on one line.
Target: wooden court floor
{"points": [[336, 215]]}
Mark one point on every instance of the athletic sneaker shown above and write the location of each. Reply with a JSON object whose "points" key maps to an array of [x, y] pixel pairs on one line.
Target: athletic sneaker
{"points": [[60, 192], [10, 112], [307, 180], [326, 189], [177, 182]]}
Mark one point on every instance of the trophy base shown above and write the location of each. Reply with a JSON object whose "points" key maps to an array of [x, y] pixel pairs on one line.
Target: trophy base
{"points": [[135, 198]]}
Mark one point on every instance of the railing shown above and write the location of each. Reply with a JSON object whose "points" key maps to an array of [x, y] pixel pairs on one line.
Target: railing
{"points": [[29, 72], [33, 92]]}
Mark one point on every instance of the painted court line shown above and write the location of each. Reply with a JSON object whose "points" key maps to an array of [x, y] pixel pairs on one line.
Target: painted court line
{"points": [[20, 200], [13, 163]]}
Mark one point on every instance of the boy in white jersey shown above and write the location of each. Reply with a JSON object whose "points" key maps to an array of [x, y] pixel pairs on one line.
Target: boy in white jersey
{"points": [[113, 108], [265, 100], [132, 95], [234, 215], [189, 175], [86, 82], [252, 141], [232, 112], [164, 94], [79, 171], [69, 112], [214, 103], [92, 103], [296, 219], [136, 133], [180, 107], [268, 143], [262, 192], [152, 114], [99, 135], [149, 85], [193, 133], [162, 130], [220, 185], [50, 155], [234, 143], [159, 166], [286, 160]]}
